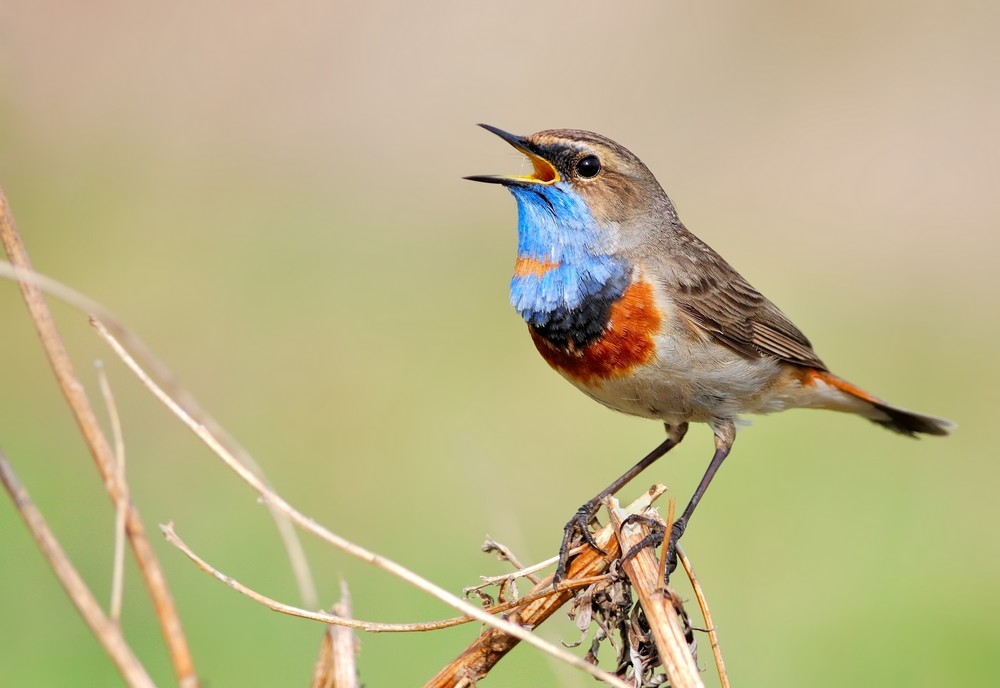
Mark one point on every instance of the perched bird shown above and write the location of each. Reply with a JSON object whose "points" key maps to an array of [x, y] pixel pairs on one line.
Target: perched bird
{"points": [[644, 317]]}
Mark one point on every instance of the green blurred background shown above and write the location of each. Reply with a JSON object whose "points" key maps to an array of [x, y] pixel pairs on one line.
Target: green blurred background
{"points": [[271, 198]]}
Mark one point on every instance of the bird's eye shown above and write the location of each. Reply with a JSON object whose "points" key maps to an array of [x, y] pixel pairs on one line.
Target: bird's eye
{"points": [[588, 166]]}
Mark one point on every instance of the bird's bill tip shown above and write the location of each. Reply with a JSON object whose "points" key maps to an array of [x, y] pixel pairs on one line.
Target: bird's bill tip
{"points": [[512, 139], [490, 179], [544, 171]]}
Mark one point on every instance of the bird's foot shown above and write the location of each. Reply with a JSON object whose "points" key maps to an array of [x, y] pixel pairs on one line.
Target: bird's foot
{"points": [[578, 525], [657, 537]]}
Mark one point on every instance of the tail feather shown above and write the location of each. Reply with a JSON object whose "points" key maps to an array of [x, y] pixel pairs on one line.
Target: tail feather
{"points": [[909, 423], [888, 416]]}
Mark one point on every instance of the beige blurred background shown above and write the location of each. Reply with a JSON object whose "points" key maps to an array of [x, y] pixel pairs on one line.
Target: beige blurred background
{"points": [[271, 197]]}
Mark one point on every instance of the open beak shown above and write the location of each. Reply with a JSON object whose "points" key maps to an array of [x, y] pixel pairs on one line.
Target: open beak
{"points": [[544, 172]]}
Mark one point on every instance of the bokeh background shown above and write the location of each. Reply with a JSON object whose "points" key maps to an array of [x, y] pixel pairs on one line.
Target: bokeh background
{"points": [[270, 195]]}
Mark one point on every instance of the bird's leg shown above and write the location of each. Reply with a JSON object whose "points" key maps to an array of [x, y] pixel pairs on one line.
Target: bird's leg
{"points": [[725, 433], [580, 523]]}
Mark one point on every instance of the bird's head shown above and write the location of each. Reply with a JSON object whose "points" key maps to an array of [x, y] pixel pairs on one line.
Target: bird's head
{"points": [[584, 180]]}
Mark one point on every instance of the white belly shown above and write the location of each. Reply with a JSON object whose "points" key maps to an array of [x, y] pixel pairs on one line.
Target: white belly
{"points": [[690, 381]]}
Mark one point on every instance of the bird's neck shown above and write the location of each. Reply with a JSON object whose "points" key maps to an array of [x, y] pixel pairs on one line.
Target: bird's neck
{"points": [[566, 278]]}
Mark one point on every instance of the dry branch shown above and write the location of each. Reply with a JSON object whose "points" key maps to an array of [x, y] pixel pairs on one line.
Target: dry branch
{"points": [[107, 632], [492, 645], [73, 391], [657, 602]]}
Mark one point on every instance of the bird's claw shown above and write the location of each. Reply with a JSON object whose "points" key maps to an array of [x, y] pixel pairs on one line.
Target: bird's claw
{"points": [[578, 525], [655, 538]]}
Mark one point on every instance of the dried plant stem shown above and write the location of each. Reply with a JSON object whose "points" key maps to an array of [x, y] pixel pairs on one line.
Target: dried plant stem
{"points": [[345, 645], [667, 528], [326, 535], [370, 626], [336, 666], [76, 398], [657, 602], [121, 508], [525, 572], [326, 617], [504, 552], [713, 636], [492, 645], [104, 629], [287, 532], [323, 676]]}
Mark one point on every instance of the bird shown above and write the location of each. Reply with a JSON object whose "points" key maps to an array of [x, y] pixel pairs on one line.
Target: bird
{"points": [[645, 318]]}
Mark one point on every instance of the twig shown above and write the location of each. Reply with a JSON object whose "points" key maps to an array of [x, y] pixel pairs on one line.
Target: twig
{"points": [[526, 572], [491, 646], [106, 631], [504, 552], [713, 636], [370, 626], [118, 565], [337, 663], [328, 536], [287, 532], [73, 391], [326, 617], [657, 602]]}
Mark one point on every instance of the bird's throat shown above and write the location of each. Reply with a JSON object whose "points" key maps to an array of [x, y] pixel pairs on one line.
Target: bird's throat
{"points": [[566, 278]]}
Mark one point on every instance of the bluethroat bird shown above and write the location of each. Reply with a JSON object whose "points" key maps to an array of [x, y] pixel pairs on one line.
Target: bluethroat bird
{"points": [[645, 318]]}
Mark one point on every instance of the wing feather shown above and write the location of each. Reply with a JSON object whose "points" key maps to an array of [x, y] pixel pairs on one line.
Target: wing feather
{"points": [[720, 301]]}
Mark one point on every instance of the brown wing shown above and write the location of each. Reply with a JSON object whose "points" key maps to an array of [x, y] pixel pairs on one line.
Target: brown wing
{"points": [[720, 301]]}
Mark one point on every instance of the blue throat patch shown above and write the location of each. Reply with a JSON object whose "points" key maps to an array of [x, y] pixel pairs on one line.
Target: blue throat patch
{"points": [[568, 301]]}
